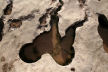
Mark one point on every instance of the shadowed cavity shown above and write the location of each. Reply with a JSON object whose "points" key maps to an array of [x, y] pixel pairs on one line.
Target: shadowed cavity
{"points": [[1, 28], [103, 30]]}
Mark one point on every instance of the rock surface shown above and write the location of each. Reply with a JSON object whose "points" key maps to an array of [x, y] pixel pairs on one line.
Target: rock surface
{"points": [[89, 53]]}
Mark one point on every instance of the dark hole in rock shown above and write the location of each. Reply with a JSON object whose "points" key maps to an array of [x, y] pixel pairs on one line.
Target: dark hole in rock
{"points": [[28, 53], [1, 28], [15, 23], [99, 0], [8, 9], [103, 30], [72, 69], [51, 42]]}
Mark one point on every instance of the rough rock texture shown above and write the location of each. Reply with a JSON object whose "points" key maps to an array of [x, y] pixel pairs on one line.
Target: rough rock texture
{"points": [[89, 53]]}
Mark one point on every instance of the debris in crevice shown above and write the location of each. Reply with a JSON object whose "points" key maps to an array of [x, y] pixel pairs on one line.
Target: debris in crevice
{"points": [[14, 23], [81, 3], [49, 12], [43, 19], [56, 10], [103, 30], [28, 17], [8, 9]]}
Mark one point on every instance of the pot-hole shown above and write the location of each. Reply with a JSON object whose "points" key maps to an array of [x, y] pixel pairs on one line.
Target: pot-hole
{"points": [[103, 30], [60, 48]]}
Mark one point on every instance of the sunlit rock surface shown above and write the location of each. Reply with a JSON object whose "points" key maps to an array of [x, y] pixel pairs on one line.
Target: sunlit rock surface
{"points": [[89, 53]]}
